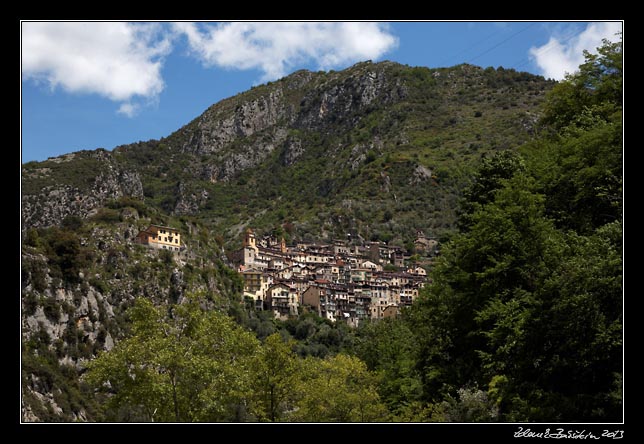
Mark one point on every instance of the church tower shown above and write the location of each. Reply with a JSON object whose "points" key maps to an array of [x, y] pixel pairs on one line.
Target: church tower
{"points": [[283, 245], [249, 239], [250, 248]]}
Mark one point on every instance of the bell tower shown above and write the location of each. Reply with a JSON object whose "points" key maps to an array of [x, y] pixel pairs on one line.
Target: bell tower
{"points": [[250, 248], [249, 239]]}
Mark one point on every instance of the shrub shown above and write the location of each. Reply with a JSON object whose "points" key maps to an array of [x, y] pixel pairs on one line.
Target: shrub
{"points": [[107, 215], [100, 285], [51, 309], [166, 257], [72, 223], [29, 304], [32, 238]]}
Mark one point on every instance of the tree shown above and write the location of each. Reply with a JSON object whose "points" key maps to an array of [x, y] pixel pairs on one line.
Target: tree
{"points": [[386, 348], [527, 299], [503, 253], [182, 363], [579, 165], [580, 172], [275, 372], [337, 389], [487, 180], [597, 85], [471, 405]]}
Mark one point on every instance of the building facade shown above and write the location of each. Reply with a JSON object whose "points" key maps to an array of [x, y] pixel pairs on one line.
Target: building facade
{"points": [[160, 237]]}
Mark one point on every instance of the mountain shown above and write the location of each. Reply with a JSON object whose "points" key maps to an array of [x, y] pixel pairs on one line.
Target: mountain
{"points": [[378, 150]]}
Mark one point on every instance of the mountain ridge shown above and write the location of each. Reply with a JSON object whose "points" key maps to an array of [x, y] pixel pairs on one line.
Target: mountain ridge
{"points": [[336, 136]]}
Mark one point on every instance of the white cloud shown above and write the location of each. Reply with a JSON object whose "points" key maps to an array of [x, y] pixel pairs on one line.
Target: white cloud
{"points": [[276, 48], [119, 61], [128, 109], [556, 58]]}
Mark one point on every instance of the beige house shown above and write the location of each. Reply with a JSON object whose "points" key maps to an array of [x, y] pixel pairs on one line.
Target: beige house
{"points": [[417, 270], [252, 280], [283, 300], [161, 237], [371, 266], [424, 244]]}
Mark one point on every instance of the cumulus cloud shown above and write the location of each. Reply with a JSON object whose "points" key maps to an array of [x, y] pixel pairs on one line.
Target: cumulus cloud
{"points": [[557, 57], [119, 61], [276, 48]]}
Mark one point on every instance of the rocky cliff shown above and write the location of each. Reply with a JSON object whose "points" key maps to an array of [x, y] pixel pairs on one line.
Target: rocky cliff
{"points": [[74, 184], [78, 282]]}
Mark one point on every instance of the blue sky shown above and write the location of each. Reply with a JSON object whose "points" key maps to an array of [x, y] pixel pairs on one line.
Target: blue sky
{"points": [[91, 85]]}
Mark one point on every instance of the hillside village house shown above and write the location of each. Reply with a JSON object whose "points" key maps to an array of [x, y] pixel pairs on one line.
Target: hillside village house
{"points": [[283, 300], [160, 237], [424, 244]]}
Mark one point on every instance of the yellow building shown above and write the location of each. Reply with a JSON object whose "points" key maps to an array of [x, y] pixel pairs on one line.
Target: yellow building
{"points": [[158, 236]]}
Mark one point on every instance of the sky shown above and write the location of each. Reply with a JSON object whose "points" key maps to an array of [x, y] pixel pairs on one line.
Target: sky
{"points": [[88, 85]]}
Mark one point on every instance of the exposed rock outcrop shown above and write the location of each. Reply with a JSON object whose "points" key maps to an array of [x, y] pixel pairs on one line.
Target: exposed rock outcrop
{"points": [[189, 202], [54, 202], [215, 129], [421, 174]]}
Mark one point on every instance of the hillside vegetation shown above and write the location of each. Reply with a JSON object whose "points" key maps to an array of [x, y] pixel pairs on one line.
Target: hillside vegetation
{"points": [[378, 150], [520, 178]]}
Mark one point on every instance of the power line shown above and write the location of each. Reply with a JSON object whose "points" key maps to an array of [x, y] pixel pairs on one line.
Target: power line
{"points": [[547, 48], [468, 49], [501, 42]]}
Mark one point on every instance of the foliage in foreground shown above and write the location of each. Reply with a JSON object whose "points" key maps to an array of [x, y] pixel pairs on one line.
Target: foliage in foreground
{"points": [[186, 363]]}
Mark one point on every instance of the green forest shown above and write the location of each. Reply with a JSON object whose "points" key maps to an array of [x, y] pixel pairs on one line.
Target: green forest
{"points": [[522, 320]]}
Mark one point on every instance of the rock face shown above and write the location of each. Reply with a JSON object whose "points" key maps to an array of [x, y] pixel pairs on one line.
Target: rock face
{"points": [[215, 129], [420, 175], [68, 321], [189, 202], [237, 137], [330, 101], [52, 203], [338, 102], [293, 149]]}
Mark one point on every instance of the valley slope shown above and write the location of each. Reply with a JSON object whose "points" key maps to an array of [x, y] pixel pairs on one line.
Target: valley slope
{"points": [[378, 151]]}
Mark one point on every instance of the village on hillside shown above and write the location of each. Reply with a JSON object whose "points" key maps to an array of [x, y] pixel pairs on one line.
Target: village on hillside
{"points": [[339, 281]]}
